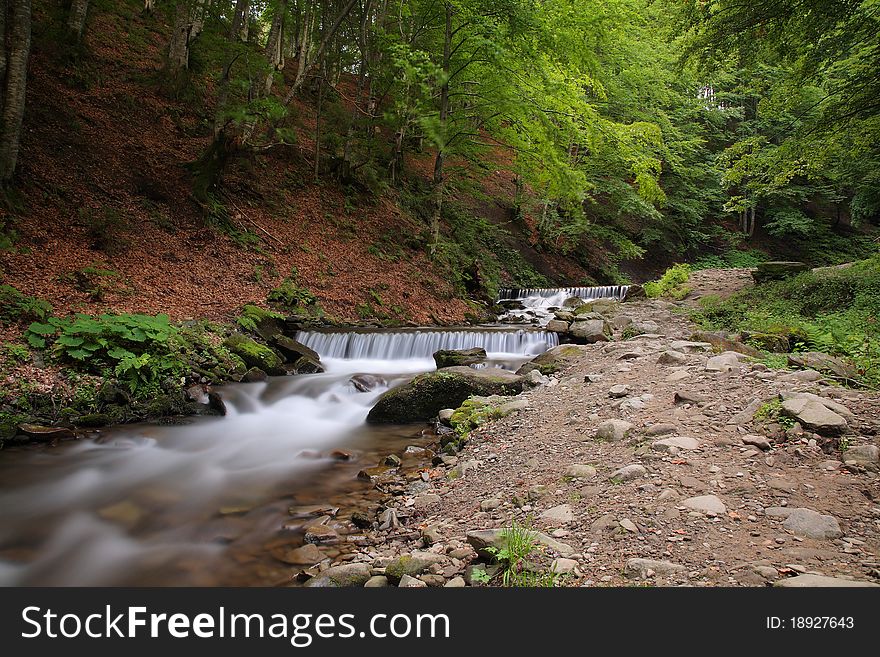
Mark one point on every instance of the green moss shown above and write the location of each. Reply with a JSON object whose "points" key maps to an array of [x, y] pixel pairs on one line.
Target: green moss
{"points": [[254, 354]]}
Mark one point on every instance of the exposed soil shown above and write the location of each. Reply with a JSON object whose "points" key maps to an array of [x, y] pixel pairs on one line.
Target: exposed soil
{"points": [[519, 463]]}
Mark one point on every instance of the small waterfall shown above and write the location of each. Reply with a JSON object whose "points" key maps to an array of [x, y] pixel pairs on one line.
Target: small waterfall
{"points": [[422, 343], [586, 293]]}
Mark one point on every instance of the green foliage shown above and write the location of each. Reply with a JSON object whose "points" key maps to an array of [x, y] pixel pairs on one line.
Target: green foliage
{"points": [[139, 349], [519, 544], [107, 228], [252, 315], [771, 412], [17, 307], [732, 259], [290, 295], [835, 311], [18, 353], [671, 284]]}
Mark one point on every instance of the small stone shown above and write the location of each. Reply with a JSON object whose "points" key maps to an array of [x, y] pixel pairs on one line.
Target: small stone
{"points": [[376, 581], [708, 504], [578, 471], [675, 443], [628, 472], [629, 525], [672, 357], [408, 582], [308, 554], [613, 430], [619, 390], [458, 581], [726, 362], [426, 501], [561, 515], [660, 429], [351, 574], [758, 441], [563, 566], [645, 568], [393, 460], [489, 505]]}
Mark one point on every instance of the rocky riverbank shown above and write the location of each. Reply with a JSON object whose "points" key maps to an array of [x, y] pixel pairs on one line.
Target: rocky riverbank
{"points": [[651, 459]]}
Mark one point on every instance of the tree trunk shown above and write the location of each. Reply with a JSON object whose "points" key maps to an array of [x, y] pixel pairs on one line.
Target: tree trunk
{"points": [[274, 44], [240, 20], [16, 30], [439, 179], [345, 171], [188, 22], [149, 6], [76, 19]]}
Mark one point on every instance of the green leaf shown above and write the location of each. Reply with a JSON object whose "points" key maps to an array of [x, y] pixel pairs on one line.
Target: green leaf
{"points": [[42, 329], [36, 341], [70, 340]]}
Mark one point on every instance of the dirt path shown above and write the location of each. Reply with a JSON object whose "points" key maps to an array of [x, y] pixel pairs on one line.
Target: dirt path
{"points": [[720, 514]]}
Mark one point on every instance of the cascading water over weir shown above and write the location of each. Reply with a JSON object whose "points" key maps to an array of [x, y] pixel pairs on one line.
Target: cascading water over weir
{"points": [[536, 304]]}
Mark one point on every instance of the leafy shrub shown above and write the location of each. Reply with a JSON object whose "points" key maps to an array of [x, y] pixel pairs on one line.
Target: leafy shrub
{"points": [[18, 307], [139, 349], [671, 284], [290, 294]]}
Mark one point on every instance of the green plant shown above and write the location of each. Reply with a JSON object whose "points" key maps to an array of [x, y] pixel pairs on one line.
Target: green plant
{"points": [[290, 294], [17, 352], [18, 307], [140, 349], [252, 315], [671, 283], [107, 228], [772, 412], [519, 542]]}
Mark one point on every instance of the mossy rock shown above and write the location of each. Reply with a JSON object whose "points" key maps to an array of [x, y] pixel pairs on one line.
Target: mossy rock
{"points": [[428, 394], [454, 357], [553, 360], [777, 270], [255, 354], [768, 342]]}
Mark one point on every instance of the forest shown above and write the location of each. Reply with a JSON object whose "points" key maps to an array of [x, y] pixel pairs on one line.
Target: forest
{"points": [[207, 204]]}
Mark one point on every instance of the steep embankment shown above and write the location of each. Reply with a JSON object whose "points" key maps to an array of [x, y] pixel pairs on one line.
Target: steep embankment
{"points": [[105, 218], [654, 448]]}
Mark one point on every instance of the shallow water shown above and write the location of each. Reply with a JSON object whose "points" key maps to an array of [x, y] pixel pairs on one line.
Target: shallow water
{"points": [[209, 502]]}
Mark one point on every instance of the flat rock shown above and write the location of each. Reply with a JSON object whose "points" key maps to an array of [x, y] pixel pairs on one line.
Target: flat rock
{"points": [[726, 362], [308, 554], [675, 443], [680, 375], [409, 582], [690, 347], [808, 580], [561, 515], [863, 454], [619, 390], [708, 504], [660, 429], [376, 582], [580, 471], [672, 357], [613, 430], [814, 415], [646, 568], [816, 360], [563, 566], [414, 563], [812, 524]]}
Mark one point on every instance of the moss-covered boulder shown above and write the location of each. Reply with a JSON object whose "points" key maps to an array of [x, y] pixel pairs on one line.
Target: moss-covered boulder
{"points": [[455, 357], [303, 359], [777, 270], [722, 341], [553, 360], [428, 394], [768, 341], [590, 330], [255, 354]]}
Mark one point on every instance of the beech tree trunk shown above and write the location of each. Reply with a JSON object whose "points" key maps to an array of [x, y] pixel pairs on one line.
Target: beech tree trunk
{"points": [[188, 22], [15, 26], [439, 179], [76, 19], [240, 20], [275, 44]]}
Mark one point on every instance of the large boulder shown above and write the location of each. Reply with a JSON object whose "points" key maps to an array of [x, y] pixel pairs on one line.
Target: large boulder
{"points": [[814, 415], [557, 326], [255, 354], [590, 331], [303, 359], [455, 357], [776, 270], [821, 362], [428, 394], [553, 360]]}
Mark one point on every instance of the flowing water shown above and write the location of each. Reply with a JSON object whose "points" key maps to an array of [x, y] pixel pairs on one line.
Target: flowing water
{"points": [[221, 501], [537, 304]]}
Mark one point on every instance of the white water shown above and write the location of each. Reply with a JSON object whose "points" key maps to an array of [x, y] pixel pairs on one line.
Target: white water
{"points": [[539, 303], [146, 499]]}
